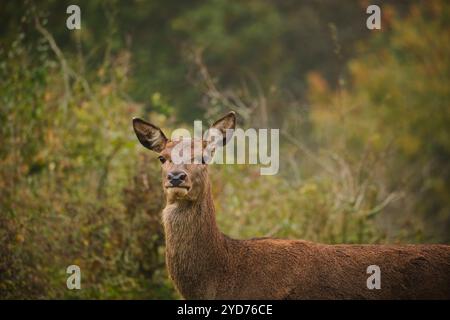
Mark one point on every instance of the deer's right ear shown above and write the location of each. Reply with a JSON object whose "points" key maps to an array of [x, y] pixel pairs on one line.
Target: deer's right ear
{"points": [[149, 135]]}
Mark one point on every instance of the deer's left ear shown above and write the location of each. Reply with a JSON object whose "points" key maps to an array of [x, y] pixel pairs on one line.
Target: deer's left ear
{"points": [[149, 135], [225, 126]]}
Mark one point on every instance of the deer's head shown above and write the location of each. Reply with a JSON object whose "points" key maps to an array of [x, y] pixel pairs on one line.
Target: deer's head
{"points": [[183, 180]]}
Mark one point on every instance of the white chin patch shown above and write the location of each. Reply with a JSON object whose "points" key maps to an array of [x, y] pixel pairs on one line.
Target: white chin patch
{"points": [[176, 193]]}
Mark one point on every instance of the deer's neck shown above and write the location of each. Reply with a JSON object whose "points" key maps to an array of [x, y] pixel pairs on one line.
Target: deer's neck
{"points": [[194, 245]]}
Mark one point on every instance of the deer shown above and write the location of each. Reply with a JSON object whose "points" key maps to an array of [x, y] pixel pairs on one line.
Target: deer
{"points": [[204, 263]]}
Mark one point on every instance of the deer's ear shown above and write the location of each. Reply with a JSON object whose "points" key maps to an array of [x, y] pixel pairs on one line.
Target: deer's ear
{"points": [[224, 126], [149, 135]]}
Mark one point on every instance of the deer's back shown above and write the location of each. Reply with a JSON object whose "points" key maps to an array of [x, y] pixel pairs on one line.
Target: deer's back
{"points": [[291, 269]]}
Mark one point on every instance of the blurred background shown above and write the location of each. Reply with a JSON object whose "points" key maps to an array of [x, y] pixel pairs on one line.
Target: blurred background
{"points": [[363, 115]]}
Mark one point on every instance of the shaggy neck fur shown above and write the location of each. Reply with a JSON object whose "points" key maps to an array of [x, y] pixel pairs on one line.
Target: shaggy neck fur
{"points": [[205, 264], [194, 245]]}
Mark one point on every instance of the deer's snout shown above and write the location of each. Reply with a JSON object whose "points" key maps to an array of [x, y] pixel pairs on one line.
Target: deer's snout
{"points": [[176, 177]]}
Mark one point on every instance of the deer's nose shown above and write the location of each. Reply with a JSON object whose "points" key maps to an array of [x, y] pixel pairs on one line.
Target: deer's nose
{"points": [[176, 177]]}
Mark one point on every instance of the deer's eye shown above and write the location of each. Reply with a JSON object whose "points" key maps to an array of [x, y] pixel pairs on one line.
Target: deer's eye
{"points": [[162, 159]]}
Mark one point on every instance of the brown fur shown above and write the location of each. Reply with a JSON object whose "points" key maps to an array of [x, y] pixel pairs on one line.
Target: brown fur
{"points": [[206, 264]]}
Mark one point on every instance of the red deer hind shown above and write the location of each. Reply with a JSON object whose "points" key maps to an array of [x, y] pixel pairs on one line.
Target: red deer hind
{"points": [[206, 264]]}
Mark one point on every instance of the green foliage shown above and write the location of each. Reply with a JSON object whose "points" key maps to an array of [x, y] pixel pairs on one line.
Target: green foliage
{"points": [[73, 188], [397, 110], [364, 154], [273, 206]]}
